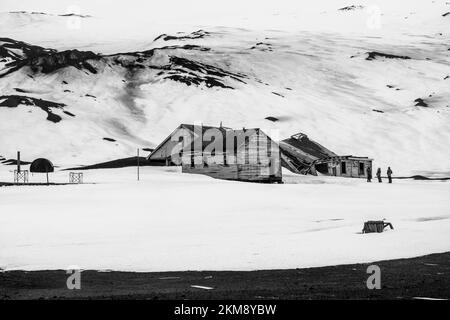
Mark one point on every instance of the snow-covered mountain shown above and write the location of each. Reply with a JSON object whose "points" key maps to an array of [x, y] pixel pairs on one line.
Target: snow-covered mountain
{"points": [[84, 96]]}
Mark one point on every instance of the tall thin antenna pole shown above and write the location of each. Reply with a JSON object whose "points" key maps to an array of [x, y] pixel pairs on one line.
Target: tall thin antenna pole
{"points": [[138, 173], [18, 161]]}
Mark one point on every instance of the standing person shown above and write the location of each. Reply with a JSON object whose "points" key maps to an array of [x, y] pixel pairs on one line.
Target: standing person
{"points": [[369, 174], [389, 174], [379, 175]]}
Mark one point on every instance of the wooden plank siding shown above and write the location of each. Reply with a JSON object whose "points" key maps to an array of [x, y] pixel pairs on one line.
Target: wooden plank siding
{"points": [[257, 159], [237, 172], [352, 167], [245, 154]]}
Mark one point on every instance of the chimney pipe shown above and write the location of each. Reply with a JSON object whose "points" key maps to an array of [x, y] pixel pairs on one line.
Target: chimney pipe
{"points": [[18, 161]]}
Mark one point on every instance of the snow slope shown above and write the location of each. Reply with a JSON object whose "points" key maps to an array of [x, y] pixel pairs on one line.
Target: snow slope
{"points": [[315, 78], [370, 81], [159, 224]]}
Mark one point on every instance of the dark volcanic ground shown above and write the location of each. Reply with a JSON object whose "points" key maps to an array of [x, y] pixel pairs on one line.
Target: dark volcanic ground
{"points": [[423, 277]]}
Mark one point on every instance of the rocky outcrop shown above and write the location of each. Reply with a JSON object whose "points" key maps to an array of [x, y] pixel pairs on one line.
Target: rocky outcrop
{"points": [[50, 62], [351, 8], [421, 103], [13, 101], [18, 54], [199, 34], [373, 55], [18, 50], [194, 72]]}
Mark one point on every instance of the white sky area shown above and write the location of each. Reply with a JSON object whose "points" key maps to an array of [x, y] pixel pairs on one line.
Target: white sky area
{"points": [[239, 13]]}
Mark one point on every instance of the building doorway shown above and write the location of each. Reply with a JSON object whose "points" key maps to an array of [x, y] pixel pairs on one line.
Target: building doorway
{"points": [[343, 167], [361, 168]]}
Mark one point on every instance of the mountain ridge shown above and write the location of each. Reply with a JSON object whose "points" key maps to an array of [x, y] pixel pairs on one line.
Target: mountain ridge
{"points": [[331, 88]]}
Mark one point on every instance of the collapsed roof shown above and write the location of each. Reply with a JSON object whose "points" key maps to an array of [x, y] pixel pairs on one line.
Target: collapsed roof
{"points": [[298, 153]]}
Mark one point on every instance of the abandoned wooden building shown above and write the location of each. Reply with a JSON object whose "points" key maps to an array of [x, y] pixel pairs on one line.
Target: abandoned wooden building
{"points": [[301, 155], [223, 153]]}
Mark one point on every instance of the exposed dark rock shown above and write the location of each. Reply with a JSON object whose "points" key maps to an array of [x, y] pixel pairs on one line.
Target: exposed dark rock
{"points": [[278, 94], [379, 111], [13, 162], [109, 139], [273, 119], [91, 96], [75, 15], [143, 55], [14, 101], [189, 80], [20, 90], [178, 69], [421, 103], [121, 163], [26, 12], [392, 87], [446, 14], [262, 46], [43, 60], [47, 63], [20, 50], [373, 55], [204, 68], [447, 77], [48, 14], [69, 113], [199, 34], [193, 72], [148, 149], [351, 8], [187, 47]]}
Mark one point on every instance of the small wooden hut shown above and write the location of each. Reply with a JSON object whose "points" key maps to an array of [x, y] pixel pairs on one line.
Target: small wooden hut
{"points": [[344, 166], [223, 153]]}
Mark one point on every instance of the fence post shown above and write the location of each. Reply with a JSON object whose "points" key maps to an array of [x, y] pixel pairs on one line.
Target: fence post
{"points": [[138, 173]]}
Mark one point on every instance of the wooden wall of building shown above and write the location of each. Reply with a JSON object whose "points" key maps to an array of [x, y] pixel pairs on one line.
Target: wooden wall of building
{"points": [[238, 172], [352, 168], [246, 155], [255, 159]]}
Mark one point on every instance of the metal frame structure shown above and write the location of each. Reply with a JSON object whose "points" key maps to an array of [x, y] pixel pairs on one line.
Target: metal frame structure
{"points": [[76, 178], [21, 176]]}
